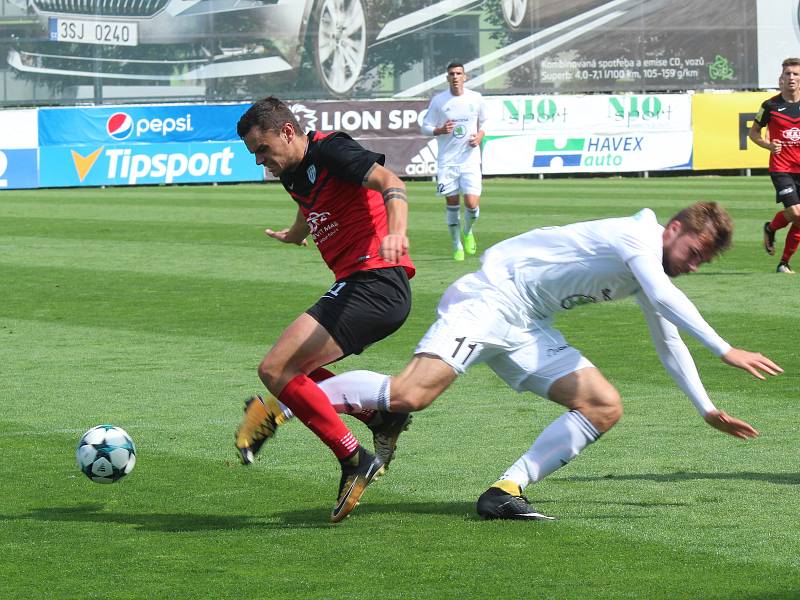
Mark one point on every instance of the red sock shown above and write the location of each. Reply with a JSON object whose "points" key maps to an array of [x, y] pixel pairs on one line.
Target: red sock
{"points": [[792, 242], [312, 407], [778, 222], [321, 374]]}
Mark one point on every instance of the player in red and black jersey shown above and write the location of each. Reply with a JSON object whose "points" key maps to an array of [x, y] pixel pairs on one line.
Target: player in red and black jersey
{"points": [[355, 210], [781, 116]]}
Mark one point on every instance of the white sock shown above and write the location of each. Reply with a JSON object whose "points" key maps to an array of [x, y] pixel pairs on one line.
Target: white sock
{"points": [[470, 216], [559, 443], [356, 391], [454, 225]]}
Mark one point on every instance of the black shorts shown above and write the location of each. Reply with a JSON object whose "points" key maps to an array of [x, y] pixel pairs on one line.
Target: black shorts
{"points": [[364, 308], [786, 186]]}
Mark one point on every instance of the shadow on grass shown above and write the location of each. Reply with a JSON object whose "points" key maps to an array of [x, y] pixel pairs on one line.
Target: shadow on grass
{"points": [[780, 478], [313, 518], [172, 522]]}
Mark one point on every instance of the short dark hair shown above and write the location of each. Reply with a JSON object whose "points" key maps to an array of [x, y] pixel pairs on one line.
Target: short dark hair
{"points": [[790, 62], [453, 65], [709, 220], [268, 114]]}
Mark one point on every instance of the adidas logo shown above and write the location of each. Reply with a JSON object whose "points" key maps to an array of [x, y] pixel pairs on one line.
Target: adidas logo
{"points": [[424, 161]]}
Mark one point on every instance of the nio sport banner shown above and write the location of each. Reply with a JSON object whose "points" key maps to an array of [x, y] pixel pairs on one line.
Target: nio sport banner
{"points": [[599, 112]]}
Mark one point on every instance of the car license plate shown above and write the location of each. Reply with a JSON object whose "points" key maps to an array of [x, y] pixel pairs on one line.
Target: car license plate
{"points": [[79, 31]]}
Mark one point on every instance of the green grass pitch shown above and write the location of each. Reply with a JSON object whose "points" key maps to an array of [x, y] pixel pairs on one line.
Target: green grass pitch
{"points": [[150, 308]]}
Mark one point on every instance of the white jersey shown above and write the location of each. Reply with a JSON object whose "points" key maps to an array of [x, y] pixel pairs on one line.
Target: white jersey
{"points": [[558, 268], [552, 269], [467, 111], [532, 276]]}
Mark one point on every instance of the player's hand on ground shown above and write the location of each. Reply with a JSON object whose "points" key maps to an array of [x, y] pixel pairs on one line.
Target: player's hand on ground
{"points": [[283, 236], [721, 420], [752, 362], [393, 246]]}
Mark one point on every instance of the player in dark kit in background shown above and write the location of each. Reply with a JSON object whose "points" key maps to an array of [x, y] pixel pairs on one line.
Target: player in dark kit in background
{"points": [[781, 116], [355, 210]]}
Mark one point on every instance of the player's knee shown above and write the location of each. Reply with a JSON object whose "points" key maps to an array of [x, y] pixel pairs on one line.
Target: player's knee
{"points": [[604, 410], [408, 398], [269, 372]]}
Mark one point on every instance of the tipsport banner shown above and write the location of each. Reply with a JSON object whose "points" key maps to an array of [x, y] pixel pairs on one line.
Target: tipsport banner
{"points": [[585, 152], [139, 124], [141, 164]]}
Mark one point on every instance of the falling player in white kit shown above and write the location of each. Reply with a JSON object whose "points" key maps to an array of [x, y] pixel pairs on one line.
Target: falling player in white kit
{"points": [[455, 117], [502, 315]]}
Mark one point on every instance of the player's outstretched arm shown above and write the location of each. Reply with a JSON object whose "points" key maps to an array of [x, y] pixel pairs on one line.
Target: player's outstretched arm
{"points": [[296, 234], [721, 420], [752, 362]]}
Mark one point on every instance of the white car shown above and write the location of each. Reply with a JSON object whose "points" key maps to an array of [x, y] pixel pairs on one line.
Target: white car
{"points": [[175, 41]]}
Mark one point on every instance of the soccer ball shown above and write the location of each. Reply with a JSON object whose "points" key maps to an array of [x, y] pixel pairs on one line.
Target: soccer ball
{"points": [[106, 454]]}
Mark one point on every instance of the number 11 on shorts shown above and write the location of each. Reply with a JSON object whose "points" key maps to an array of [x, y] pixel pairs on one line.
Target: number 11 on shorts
{"points": [[460, 342]]}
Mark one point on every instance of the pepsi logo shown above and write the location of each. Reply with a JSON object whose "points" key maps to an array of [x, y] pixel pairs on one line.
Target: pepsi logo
{"points": [[119, 126]]}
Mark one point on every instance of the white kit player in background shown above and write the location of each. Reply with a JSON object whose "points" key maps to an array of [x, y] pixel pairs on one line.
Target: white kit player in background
{"points": [[502, 315], [455, 117]]}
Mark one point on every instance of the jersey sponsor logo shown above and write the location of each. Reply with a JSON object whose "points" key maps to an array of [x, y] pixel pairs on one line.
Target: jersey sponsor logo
{"points": [[312, 173], [315, 219], [459, 131], [424, 161], [793, 135], [571, 302], [781, 109], [580, 299]]}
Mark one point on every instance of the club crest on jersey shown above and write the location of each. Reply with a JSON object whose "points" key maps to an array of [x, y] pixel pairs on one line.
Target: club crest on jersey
{"points": [[312, 173]]}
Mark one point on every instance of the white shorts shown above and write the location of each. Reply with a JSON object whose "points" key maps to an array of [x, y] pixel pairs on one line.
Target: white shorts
{"points": [[452, 180], [472, 329]]}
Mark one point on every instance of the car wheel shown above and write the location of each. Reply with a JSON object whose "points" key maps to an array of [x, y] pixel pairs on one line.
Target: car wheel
{"points": [[340, 43], [517, 13]]}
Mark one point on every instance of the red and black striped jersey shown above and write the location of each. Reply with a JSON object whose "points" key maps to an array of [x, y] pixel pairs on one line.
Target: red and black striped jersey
{"points": [[782, 120], [347, 221]]}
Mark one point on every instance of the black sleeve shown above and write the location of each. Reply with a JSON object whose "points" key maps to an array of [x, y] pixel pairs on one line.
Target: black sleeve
{"points": [[346, 158], [762, 116]]}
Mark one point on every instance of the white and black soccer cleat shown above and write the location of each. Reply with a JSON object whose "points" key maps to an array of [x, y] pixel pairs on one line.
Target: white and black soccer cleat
{"points": [[495, 503]]}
